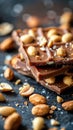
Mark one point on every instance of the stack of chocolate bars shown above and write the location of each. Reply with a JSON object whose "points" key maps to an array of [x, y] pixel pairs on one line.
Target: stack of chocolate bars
{"points": [[46, 54]]}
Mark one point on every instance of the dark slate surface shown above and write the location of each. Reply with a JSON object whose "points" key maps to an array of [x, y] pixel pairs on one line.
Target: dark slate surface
{"points": [[13, 11]]}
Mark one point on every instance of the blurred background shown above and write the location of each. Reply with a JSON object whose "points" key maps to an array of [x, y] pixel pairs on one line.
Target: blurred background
{"points": [[18, 11]]}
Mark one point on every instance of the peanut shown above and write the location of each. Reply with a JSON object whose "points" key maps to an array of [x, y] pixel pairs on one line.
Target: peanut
{"points": [[59, 99], [55, 38], [68, 37], [5, 87], [12, 122], [52, 32], [7, 44], [68, 105], [66, 17], [50, 80], [6, 110], [38, 123], [61, 52], [9, 74], [26, 38], [40, 110], [2, 98], [37, 99], [26, 90], [68, 80], [31, 51], [54, 122], [33, 21]]}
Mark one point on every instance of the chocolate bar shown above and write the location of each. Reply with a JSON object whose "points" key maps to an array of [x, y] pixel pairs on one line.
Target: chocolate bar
{"points": [[51, 45], [41, 72], [59, 86]]}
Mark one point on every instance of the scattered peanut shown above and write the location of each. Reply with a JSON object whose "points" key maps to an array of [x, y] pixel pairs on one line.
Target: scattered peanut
{"points": [[2, 98], [31, 51], [54, 122], [26, 38], [50, 80], [68, 80], [61, 52], [7, 44], [37, 99], [5, 87], [59, 99], [12, 122], [33, 21], [18, 81], [68, 37], [26, 90], [6, 110], [9, 74], [40, 110], [68, 105], [5, 28], [38, 123], [66, 17]]}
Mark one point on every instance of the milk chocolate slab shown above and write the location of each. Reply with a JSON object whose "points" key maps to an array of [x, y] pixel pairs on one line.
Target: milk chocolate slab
{"points": [[59, 86], [45, 55]]}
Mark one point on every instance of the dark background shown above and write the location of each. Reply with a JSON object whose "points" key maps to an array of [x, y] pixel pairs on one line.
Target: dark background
{"points": [[16, 12]]}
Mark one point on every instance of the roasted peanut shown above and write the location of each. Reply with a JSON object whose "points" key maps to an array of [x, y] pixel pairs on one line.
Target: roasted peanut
{"points": [[12, 122], [55, 38], [66, 17], [61, 52], [59, 99], [68, 37], [26, 38], [6, 110], [68, 80], [38, 123], [40, 110], [52, 32], [33, 21], [32, 51], [5, 87], [2, 98], [26, 90], [50, 80], [7, 44], [68, 105], [54, 122], [9, 74], [37, 99]]}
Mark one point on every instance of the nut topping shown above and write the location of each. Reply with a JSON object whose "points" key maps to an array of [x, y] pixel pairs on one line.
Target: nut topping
{"points": [[68, 80], [31, 51], [52, 32], [26, 38], [61, 52], [68, 37], [50, 80]]}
